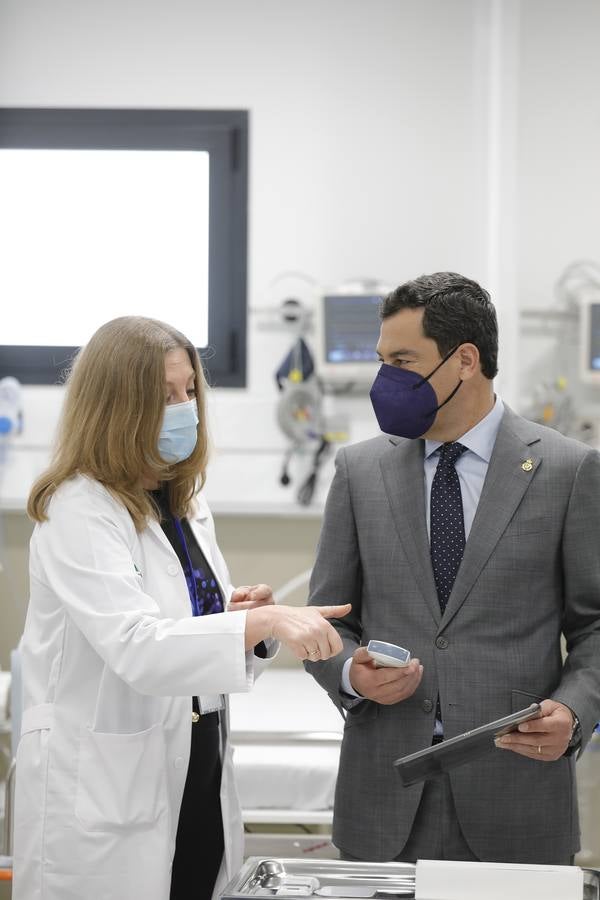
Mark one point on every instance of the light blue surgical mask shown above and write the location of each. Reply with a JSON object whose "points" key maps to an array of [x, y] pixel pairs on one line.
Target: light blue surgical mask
{"points": [[178, 434]]}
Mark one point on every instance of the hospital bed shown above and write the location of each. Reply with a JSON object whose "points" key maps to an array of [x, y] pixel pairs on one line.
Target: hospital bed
{"points": [[286, 736]]}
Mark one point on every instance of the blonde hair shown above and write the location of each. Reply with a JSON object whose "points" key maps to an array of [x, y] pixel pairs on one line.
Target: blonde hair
{"points": [[112, 416]]}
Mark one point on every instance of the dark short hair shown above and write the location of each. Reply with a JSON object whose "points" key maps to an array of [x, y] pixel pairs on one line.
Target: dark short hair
{"points": [[456, 310]]}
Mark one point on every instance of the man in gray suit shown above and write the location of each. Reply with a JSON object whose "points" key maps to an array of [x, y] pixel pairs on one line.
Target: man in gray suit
{"points": [[470, 536]]}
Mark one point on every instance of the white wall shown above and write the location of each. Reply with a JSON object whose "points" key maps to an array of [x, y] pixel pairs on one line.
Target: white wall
{"points": [[558, 184], [558, 142], [388, 139], [370, 126]]}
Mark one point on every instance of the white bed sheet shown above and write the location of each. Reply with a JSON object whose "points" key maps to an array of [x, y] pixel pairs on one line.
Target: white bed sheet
{"points": [[284, 700], [295, 767], [286, 776]]}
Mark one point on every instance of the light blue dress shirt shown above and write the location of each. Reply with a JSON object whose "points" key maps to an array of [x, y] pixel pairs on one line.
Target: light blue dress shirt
{"points": [[471, 468]]}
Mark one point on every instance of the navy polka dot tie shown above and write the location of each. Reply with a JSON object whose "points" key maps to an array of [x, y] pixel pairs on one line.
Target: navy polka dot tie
{"points": [[446, 527]]}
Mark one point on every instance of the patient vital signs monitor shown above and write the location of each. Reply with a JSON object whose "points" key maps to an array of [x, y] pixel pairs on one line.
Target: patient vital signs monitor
{"points": [[590, 339], [348, 331]]}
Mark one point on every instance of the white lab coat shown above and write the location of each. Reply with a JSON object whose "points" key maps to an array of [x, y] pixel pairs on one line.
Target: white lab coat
{"points": [[111, 658]]}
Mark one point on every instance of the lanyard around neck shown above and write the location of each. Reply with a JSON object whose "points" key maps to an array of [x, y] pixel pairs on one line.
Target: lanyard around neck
{"points": [[191, 580]]}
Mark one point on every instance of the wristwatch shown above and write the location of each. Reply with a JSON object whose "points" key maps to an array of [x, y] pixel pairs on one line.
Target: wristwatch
{"points": [[575, 733]]}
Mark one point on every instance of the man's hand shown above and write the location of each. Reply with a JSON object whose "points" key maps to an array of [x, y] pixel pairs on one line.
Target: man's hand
{"points": [[250, 596], [545, 738], [386, 684]]}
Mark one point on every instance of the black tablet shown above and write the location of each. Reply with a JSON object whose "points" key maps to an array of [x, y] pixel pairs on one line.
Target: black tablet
{"points": [[440, 758]]}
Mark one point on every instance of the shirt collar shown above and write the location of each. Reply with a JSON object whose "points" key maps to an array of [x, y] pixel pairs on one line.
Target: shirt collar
{"points": [[481, 438]]}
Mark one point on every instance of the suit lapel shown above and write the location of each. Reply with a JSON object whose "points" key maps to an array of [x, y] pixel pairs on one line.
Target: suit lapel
{"points": [[511, 470], [403, 476]]}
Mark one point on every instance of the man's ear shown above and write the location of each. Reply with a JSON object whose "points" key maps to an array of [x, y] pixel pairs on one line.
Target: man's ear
{"points": [[469, 361]]}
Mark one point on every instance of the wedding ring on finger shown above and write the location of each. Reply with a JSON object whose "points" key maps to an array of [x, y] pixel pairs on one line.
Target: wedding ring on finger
{"points": [[539, 748], [314, 654]]}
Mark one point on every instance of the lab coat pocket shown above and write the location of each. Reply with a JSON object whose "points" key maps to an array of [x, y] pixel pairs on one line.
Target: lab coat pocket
{"points": [[31, 791], [121, 780]]}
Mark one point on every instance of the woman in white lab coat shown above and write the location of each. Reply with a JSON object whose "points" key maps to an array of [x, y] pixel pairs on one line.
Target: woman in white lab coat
{"points": [[124, 782]]}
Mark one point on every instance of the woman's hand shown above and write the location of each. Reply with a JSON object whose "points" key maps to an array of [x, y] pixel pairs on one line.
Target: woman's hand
{"points": [[250, 596], [304, 630]]}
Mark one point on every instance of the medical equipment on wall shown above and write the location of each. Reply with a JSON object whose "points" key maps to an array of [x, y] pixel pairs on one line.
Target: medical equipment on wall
{"points": [[343, 321], [334, 336], [11, 412], [578, 288], [563, 372], [300, 415], [347, 330], [11, 424], [553, 404], [578, 277], [589, 335], [288, 301]]}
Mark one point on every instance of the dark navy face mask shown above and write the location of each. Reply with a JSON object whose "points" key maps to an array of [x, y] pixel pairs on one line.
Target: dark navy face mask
{"points": [[404, 402]]}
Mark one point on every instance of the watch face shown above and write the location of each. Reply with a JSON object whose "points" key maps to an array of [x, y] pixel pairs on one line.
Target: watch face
{"points": [[575, 732]]}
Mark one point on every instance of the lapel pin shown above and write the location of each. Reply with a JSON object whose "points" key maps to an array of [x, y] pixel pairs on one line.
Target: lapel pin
{"points": [[527, 466]]}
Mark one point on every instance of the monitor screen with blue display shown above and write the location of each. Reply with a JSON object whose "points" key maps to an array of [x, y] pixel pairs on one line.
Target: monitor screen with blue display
{"points": [[594, 344], [351, 328], [589, 368]]}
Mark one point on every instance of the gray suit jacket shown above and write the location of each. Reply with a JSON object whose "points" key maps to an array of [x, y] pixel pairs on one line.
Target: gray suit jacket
{"points": [[530, 571]]}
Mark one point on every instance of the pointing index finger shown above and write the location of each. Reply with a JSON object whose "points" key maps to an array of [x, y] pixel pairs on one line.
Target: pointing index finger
{"points": [[334, 612]]}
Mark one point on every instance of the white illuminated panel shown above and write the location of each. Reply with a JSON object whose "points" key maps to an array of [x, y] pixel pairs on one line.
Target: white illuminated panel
{"points": [[88, 235]]}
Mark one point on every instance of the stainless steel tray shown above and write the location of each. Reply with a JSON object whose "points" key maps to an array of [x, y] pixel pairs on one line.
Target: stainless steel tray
{"points": [[333, 878]]}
